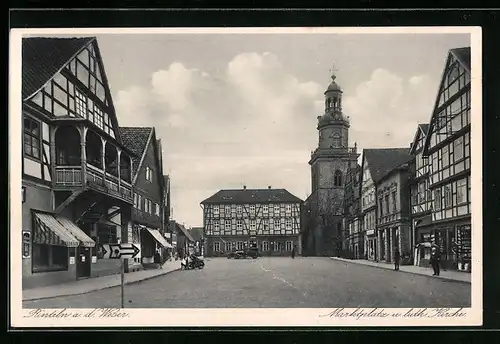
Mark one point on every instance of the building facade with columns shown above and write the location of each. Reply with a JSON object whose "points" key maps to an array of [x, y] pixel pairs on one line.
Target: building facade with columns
{"points": [[330, 161], [393, 212], [76, 171], [266, 219]]}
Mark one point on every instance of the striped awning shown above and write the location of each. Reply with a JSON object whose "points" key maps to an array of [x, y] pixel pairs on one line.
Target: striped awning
{"points": [[84, 239], [49, 231], [158, 237]]}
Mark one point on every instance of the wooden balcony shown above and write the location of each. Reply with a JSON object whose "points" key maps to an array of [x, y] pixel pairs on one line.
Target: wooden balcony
{"points": [[71, 176], [146, 218]]}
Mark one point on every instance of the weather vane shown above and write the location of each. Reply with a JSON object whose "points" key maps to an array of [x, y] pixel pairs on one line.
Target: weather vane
{"points": [[333, 70]]}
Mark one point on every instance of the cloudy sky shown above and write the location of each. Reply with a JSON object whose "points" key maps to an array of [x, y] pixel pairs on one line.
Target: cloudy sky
{"points": [[236, 110]]}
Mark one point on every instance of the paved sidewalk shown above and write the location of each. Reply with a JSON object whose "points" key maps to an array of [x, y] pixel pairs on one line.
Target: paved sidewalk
{"points": [[97, 283], [450, 275]]}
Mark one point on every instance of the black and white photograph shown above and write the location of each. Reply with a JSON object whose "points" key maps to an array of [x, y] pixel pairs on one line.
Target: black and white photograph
{"points": [[226, 176]]}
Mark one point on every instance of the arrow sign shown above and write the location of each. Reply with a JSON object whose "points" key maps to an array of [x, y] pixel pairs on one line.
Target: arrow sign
{"points": [[120, 251]]}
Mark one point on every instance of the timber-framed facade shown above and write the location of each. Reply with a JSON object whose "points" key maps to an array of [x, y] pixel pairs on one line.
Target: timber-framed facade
{"points": [[268, 219]]}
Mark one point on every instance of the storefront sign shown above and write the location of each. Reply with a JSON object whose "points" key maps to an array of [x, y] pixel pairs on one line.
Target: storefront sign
{"points": [[26, 249], [71, 260], [94, 259]]}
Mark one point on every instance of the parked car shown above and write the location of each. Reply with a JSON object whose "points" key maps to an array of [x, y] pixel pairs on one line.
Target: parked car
{"points": [[236, 255]]}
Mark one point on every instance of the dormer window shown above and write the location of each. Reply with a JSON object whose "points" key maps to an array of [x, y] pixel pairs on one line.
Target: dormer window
{"points": [[149, 174]]}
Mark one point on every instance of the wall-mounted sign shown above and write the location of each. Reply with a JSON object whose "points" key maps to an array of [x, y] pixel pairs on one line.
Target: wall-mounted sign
{"points": [[26, 249], [94, 259], [71, 260]]}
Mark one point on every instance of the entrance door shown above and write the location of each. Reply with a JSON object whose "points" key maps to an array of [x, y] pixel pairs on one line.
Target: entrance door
{"points": [[83, 263]]}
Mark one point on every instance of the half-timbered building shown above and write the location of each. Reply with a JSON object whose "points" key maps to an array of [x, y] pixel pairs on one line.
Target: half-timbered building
{"points": [[76, 172], [146, 226], [268, 219], [447, 148], [420, 197]]}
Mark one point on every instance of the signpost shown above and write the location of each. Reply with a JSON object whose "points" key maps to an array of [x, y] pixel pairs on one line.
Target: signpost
{"points": [[120, 251]]}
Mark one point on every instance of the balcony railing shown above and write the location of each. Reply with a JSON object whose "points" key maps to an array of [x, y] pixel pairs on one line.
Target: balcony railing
{"points": [[71, 176], [349, 150]]}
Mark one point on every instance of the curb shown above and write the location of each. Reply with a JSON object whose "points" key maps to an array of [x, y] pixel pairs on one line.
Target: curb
{"points": [[408, 272], [99, 289]]}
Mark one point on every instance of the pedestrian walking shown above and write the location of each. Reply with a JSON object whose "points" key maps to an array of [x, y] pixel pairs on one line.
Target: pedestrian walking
{"points": [[397, 258], [293, 252], [435, 261], [158, 260]]}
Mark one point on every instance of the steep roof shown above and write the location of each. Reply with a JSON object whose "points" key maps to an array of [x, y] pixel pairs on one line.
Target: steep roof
{"points": [[182, 229], [463, 55], [136, 139], [196, 233], [252, 196], [42, 58], [381, 161], [424, 128]]}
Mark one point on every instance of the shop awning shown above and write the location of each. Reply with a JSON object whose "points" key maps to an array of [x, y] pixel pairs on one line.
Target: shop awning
{"points": [[158, 237], [84, 239], [49, 231]]}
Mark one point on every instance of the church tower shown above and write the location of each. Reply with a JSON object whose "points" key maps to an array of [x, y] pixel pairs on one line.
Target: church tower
{"points": [[329, 164]]}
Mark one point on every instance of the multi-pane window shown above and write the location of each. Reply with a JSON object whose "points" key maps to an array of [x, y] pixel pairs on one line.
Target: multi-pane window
{"points": [[216, 226], [98, 117], [448, 202], [265, 226], [288, 208], [32, 137], [239, 245], [252, 225], [277, 246], [265, 246], [239, 209], [437, 199], [265, 209], [394, 202], [227, 210], [239, 225], [276, 210], [461, 191], [81, 104], [289, 246], [216, 246], [227, 246], [252, 209], [288, 223], [215, 209]]}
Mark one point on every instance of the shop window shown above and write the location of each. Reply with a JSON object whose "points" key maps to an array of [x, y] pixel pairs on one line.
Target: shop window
{"points": [[216, 246], [49, 258]]}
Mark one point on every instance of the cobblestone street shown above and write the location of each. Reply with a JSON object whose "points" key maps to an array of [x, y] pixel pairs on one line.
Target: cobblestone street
{"points": [[274, 283]]}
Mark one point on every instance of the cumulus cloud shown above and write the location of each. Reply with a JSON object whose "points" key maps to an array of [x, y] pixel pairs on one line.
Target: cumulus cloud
{"points": [[254, 123], [385, 109]]}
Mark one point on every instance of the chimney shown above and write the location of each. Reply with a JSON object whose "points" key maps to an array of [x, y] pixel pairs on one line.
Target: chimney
{"points": [[269, 187]]}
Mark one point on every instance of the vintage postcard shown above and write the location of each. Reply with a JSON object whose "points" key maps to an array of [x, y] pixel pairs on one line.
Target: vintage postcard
{"points": [[246, 177]]}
